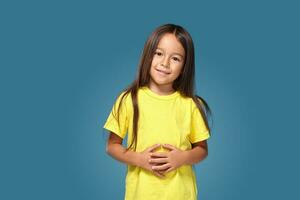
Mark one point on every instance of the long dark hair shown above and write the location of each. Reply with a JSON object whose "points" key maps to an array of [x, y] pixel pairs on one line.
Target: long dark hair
{"points": [[185, 83]]}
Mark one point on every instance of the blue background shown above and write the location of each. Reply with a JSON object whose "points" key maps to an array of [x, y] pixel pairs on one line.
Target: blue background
{"points": [[64, 62]]}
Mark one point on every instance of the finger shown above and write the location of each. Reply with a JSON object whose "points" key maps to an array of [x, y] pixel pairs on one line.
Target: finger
{"points": [[159, 174], [161, 167], [159, 154], [150, 149], [168, 170], [165, 171], [158, 160], [161, 171], [169, 146]]}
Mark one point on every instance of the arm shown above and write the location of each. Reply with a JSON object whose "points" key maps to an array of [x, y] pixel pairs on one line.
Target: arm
{"points": [[115, 149], [176, 157], [198, 153]]}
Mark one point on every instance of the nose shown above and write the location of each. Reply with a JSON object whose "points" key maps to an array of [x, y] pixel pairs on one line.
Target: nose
{"points": [[165, 62]]}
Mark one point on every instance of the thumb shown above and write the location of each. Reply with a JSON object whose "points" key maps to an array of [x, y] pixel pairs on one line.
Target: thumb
{"points": [[153, 147]]}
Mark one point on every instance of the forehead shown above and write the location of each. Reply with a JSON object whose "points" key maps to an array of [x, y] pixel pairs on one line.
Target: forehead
{"points": [[169, 43]]}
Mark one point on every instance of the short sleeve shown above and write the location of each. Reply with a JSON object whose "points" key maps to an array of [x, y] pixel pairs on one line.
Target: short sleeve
{"points": [[199, 131], [112, 124]]}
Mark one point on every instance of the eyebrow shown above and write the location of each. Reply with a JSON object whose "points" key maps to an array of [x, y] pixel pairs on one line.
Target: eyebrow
{"points": [[174, 53]]}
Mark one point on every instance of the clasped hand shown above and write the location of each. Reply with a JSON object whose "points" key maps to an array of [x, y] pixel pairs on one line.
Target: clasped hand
{"points": [[162, 162]]}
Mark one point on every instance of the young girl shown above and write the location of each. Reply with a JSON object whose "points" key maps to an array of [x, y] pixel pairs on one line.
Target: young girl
{"points": [[165, 120]]}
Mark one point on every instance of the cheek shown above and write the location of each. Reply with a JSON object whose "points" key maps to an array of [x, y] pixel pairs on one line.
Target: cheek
{"points": [[177, 68], [155, 61], [152, 71]]}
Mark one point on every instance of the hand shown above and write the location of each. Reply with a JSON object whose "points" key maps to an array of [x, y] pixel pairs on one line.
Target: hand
{"points": [[167, 161], [144, 158]]}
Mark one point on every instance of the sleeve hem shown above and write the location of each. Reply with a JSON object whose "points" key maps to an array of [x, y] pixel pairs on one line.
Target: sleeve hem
{"points": [[205, 136], [115, 131]]}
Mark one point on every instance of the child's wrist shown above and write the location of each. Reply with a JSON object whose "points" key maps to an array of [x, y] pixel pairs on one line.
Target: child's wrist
{"points": [[185, 155], [137, 159]]}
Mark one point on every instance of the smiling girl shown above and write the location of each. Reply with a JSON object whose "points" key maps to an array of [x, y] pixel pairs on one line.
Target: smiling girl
{"points": [[165, 120]]}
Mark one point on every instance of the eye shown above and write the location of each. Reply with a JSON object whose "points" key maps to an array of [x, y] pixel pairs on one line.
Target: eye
{"points": [[158, 53], [176, 59]]}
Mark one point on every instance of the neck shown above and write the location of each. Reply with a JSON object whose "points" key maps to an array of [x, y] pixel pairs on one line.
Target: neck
{"points": [[161, 89]]}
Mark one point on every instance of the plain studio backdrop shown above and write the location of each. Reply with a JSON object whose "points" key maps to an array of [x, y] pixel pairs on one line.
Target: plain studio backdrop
{"points": [[63, 63]]}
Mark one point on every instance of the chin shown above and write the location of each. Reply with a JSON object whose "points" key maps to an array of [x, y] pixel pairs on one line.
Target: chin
{"points": [[160, 82]]}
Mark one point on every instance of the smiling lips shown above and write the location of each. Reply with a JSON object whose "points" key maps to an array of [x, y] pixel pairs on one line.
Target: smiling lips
{"points": [[162, 72]]}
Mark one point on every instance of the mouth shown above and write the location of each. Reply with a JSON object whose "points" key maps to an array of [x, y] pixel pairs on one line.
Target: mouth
{"points": [[163, 72]]}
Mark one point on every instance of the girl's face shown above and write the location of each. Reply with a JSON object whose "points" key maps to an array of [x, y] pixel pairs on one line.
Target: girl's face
{"points": [[167, 63]]}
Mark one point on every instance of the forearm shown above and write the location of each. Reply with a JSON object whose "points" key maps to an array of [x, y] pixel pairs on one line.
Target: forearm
{"points": [[118, 152], [194, 155]]}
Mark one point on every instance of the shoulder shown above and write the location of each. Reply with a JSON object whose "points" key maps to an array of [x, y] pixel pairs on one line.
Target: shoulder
{"points": [[122, 99], [187, 100], [126, 102], [184, 103], [190, 102], [124, 96]]}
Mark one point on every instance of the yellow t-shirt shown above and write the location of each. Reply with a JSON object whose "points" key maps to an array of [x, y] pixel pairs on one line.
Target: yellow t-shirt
{"points": [[165, 119]]}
